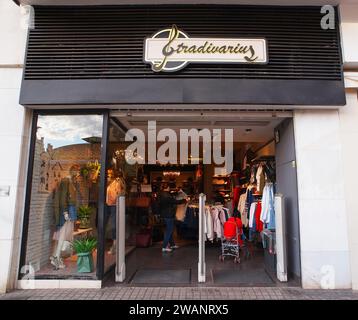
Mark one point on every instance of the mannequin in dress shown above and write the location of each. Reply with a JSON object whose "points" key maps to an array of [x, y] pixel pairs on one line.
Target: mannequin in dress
{"points": [[65, 204]]}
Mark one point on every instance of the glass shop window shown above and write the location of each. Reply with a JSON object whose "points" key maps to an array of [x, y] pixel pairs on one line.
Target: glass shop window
{"points": [[62, 227]]}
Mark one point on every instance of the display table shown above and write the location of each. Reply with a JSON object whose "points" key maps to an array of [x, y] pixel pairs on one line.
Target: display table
{"points": [[80, 234], [83, 233]]}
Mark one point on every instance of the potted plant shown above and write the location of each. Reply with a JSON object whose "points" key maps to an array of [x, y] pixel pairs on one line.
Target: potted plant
{"points": [[84, 215], [84, 249]]}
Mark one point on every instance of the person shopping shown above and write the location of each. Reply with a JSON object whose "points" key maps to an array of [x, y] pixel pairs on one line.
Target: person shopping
{"points": [[167, 205]]}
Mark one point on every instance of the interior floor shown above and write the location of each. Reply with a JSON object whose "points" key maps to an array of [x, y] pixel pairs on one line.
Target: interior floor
{"points": [[184, 261]]}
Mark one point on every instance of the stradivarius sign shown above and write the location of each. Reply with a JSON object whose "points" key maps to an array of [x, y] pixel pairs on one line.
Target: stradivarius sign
{"points": [[172, 50]]}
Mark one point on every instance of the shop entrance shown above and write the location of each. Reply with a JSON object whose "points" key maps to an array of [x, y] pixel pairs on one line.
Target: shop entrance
{"points": [[165, 196]]}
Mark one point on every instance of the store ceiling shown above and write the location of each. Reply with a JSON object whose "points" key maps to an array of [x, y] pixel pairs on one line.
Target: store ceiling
{"points": [[249, 128]]}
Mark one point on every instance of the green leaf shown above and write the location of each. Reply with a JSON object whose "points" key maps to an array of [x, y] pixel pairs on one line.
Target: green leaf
{"points": [[84, 245], [84, 212]]}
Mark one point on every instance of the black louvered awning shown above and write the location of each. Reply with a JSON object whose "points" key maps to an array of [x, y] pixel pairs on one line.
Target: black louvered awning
{"points": [[99, 49]]}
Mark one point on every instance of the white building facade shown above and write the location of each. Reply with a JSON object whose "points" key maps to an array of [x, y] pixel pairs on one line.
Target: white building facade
{"points": [[325, 146]]}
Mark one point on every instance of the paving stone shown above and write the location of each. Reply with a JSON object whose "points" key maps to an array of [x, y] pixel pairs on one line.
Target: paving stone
{"points": [[180, 293]]}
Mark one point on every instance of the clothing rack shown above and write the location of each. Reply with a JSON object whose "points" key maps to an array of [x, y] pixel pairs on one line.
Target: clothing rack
{"points": [[192, 205], [214, 221], [263, 159], [268, 163]]}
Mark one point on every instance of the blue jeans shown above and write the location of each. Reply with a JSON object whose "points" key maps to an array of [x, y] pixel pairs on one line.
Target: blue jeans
{"points": [[72, 213], [168, 234]]}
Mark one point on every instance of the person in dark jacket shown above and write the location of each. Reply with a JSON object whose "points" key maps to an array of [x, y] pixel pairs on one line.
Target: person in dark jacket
{"points": [[167, 204]]}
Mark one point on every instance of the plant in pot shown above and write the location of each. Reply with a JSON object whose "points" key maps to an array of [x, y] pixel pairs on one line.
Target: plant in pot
{"points": [[84, 249], [84, 215]]}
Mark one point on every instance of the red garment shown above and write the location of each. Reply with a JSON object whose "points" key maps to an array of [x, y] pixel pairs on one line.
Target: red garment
{"points": [[231, 226], [259, 223], [236, 196]]}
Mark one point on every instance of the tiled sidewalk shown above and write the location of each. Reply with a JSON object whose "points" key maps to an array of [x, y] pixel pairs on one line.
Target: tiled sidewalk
{"points": [[181, 293]]}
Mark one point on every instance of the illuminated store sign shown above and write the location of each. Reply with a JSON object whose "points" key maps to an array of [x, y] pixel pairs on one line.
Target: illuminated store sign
{"points": [[172, 49]]}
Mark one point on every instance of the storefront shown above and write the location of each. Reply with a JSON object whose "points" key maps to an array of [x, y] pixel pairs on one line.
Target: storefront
{"points": [[93, 74]]}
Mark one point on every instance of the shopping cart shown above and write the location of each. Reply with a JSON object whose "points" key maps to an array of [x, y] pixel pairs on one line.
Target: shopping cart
{"points": [[232, 240]]}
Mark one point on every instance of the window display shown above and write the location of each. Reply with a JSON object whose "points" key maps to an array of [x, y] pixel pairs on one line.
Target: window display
{"points": [[63, 210]]}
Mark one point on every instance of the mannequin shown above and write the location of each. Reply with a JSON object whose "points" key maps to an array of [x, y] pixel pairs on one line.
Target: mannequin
{"points": [[115, 187], [65, 203]]}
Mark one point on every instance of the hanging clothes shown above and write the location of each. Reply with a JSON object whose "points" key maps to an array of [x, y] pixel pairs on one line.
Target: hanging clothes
{"points": [[268, 206], [259, 224], [249, 200], [252, 214], [216, 222], [260, 179], [223, 216], [181, 208], [236, 196], [227, 214], [188, 229], [270, 171], [241, 208], [244, 162], [252, 221], [253, 175], [215, 218]]}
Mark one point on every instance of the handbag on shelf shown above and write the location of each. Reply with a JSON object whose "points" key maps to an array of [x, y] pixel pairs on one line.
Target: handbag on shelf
{"points": [[142, 201]]}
